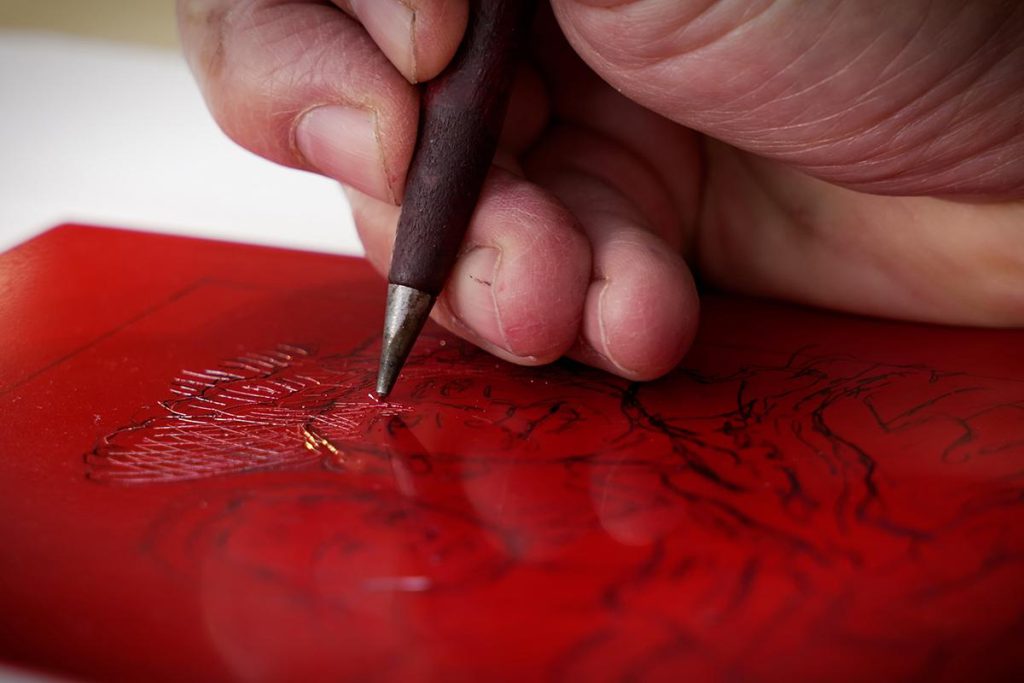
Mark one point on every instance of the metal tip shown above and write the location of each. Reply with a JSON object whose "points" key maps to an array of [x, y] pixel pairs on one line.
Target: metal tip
{"points": [[407, 310]]}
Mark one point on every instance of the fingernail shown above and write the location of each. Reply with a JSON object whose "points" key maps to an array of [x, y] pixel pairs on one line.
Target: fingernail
{"points": [[594, 334], [606, 346], [391, 24], [471, 294], [341, 142]]}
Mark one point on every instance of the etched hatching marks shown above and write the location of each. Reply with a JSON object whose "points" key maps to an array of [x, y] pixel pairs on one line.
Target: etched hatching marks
{"points": [[294, 406], [260, 411]]}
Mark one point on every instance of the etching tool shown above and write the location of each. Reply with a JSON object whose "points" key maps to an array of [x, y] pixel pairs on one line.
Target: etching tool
{"points": [[461, 118]]}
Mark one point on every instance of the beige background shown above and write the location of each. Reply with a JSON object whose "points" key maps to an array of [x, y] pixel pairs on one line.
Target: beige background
{"points": [[102, 123], [149, 22]]}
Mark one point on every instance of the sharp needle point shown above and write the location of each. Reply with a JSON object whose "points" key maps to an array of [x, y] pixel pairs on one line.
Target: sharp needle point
{"points": [[407, 311]]}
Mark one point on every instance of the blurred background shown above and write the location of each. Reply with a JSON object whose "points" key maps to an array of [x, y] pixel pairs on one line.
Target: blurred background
{"points": [[101, 123]]}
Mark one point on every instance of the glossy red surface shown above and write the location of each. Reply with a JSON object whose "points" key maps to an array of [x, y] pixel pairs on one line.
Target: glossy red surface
{"points": [[196, 485]]}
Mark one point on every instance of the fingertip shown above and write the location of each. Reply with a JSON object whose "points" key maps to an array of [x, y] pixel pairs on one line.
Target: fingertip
{"points": [[391, 24], [641, 309], [419, 37], [438, 29], [472, 293], [640, 318], [521, 284]]}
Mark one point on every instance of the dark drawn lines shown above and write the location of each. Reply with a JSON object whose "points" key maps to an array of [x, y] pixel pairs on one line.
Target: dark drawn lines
{"points": [[786, 432], [725, 482]]}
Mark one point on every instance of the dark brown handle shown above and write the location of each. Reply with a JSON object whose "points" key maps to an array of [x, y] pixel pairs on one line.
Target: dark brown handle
{"points": [[463, 110]]}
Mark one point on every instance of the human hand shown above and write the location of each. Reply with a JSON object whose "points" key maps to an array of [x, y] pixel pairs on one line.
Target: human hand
{"points": [[855, 154]]}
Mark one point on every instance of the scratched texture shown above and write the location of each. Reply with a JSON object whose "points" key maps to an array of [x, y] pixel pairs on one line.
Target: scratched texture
{"points": [[832, 498]]}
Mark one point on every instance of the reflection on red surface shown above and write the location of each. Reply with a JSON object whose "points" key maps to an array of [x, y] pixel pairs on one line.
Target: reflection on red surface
{"points": [[831, 499]]}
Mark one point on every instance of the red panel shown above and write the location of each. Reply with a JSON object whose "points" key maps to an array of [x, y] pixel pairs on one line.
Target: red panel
{"points": [[196, 484]]}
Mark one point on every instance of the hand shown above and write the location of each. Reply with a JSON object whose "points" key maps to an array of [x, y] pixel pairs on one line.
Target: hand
{"points": [[857, 154]]}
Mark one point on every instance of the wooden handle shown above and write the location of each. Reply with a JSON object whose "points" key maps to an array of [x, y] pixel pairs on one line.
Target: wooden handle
{"points": [[462, 114]]}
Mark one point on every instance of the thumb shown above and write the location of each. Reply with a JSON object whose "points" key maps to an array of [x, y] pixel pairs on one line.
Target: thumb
{"points": [[322, 86], [909, 97]]}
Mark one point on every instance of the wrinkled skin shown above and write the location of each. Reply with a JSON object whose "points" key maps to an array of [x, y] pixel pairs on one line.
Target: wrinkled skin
{"points": [[863, 155]]}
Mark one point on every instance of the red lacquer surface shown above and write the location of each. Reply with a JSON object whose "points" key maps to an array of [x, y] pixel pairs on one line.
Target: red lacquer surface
{"points": [[196, 484]]}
